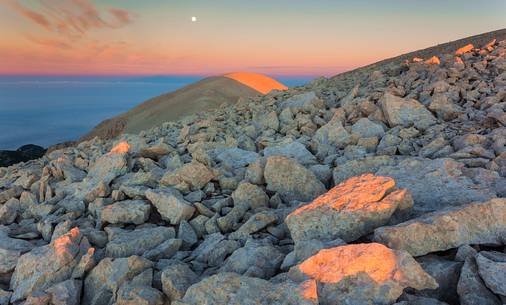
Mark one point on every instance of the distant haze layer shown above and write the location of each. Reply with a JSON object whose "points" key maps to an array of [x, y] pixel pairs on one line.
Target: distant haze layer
{"points": [[50, 110]]}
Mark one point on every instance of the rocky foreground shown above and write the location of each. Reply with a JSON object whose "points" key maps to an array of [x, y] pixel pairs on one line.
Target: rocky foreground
{"points": [[387, 190]]}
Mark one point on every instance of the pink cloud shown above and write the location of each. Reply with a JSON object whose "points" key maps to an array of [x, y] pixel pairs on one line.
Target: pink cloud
{"points": [[72, 18], [30, 14]]}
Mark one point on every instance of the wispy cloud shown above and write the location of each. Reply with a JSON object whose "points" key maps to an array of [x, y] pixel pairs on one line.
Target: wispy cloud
{"points": [[48, 42], [38, 18], [71, 18]]}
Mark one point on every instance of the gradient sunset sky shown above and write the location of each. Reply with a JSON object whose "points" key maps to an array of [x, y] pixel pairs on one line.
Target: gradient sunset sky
{"points": [[275, 37]]}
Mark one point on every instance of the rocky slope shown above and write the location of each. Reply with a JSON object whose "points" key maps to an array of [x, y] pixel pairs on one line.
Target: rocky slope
{"points": [[204, 95], [385, 185]]}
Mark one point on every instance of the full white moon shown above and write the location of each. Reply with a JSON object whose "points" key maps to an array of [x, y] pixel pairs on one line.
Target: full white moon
{"points": [[194, 19]]}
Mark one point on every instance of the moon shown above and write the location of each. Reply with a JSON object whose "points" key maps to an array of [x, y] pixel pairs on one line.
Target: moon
{"points": [[194, 19]]}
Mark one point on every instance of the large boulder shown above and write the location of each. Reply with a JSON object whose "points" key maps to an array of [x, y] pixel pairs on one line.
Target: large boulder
{"points": [[291, 180], [436, 184], [231, 288], [349, 210], [45, 266], [362, 274], [399, 111], [475, 223], [170, 204]]}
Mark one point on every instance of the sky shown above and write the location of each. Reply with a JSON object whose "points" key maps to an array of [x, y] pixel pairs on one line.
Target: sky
{"points": [[275, 37]]}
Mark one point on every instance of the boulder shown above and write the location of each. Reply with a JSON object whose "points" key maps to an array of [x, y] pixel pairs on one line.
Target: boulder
{"points": [[45, 266], [331, 136], [9, 211], [254, 224], [371, 164], [254, 259], [176, 279], [103, 282], [362, 274], [231, 288], [164, 250], [492, 269], [250, 195], [134, 294], [475, 223], [291, 180], [436, 184], [123, 243], [365, 128], [471, 289], [103, 171], [446, 273], [349, 210], [8, 260], [294, 150], [170, 204], [234, 158], [126, 212], [66, 293], [13, 244], [405, 112], [193, 175]]}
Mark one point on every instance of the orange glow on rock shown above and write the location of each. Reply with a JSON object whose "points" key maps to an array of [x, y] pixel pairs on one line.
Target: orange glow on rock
{"points": [[62, 244], [309, 290], [259, 82], [459, 61], [417, 59], [333, 265], [120, 148], [434, 60], [361, 192], [465, 49]]}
